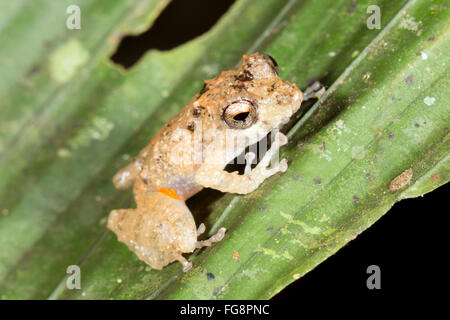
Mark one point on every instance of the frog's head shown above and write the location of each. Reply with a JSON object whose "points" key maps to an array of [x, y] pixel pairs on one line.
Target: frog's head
{"points": [[250, 101], [258, 101], [257, 98]]}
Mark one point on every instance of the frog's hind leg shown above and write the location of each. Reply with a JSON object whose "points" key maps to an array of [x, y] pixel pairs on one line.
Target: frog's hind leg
{"points": [[187, 265], [159, 231], [132, 228]]}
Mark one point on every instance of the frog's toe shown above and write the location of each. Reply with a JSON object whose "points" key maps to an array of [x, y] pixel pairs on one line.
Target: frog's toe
{"points": [[249, 158], [220, 234], [281, 138], [201, 229], [278, 167], [282, 165], [271, 154], [215, 238], [187, 265], [316, 90]]}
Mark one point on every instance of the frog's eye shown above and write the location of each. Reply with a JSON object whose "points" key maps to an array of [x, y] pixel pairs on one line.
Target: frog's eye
{"points": [[272, 63], [240, 114]]}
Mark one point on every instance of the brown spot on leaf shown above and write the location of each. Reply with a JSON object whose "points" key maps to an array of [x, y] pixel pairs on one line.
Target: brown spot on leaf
{"points": [[436, 177], [33, 70], [352, 7], [390, 134], [401, 180], [409, 80], [317, 180]]}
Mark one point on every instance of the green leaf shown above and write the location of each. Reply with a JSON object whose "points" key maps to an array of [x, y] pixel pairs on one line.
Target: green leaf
{"points": [[69, 119]]}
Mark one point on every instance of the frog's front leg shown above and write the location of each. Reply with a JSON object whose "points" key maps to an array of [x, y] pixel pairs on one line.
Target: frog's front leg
{"points": [[211, 176]]}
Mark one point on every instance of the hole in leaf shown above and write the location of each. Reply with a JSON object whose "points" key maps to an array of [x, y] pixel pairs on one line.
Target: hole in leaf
{"points": [[180, 21]]}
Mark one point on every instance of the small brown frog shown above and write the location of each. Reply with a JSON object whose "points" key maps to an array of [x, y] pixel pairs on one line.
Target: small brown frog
{"points": [[233, 111]]}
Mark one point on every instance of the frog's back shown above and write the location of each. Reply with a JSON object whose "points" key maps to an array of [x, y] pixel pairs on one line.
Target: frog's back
{"points": [[173, 157]]}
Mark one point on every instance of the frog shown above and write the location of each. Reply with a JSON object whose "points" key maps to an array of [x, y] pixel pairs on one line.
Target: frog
{"points": [[231, 112]]}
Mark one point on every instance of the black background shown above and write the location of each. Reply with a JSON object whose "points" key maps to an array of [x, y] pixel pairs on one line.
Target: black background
{"points": [[407, 243]]}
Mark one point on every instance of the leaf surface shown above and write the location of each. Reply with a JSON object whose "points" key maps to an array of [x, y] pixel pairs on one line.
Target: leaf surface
{"points": [[64, 133]]}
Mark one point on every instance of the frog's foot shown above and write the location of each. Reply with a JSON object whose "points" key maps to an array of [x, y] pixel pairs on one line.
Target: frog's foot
{"points": [[215, 238], [187, 265], [262, 169], [201, 229], [316, 90]]}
